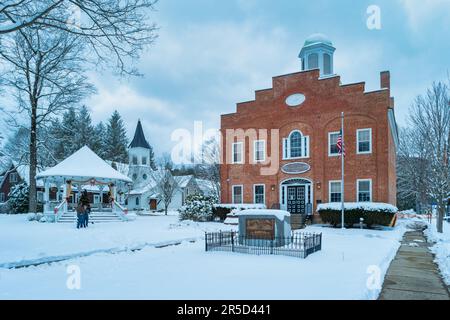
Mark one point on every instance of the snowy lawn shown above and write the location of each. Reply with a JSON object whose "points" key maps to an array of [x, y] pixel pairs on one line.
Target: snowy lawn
{"points": [[441, 248], [339, 271], [24, 240]]}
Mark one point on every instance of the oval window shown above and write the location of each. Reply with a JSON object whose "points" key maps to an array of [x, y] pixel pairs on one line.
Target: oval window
{"points": [[295, 100], [144, 176]]}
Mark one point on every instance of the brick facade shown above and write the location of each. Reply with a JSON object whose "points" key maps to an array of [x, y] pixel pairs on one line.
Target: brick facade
{"points": [[316, 117]]}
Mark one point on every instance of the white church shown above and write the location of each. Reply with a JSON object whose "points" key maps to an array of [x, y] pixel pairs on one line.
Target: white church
{"points": [[144, 195]]}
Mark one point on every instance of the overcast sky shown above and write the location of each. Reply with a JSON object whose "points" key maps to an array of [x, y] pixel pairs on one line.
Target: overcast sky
{"points": [[211, 54]]}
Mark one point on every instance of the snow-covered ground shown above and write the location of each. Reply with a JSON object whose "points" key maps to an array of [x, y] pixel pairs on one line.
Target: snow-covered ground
{"points": [[23, 240], [341, 270], [441, 248]]}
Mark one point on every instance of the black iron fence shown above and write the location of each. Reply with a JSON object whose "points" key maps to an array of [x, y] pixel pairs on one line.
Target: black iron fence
{"points": [[299, 245]]}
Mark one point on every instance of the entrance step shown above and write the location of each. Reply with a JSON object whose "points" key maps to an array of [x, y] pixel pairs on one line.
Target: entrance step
{"points": [[298, 221], [96, 217]]}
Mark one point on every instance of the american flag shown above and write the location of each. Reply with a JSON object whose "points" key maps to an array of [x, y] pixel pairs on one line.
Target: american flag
{"points": [[339, 144]]}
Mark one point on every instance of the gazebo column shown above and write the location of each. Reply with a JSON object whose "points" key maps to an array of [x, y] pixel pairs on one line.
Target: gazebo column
{"points": [[65, 206]]}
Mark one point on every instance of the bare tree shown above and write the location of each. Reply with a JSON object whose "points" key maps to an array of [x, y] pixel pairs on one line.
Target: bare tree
{"points": [[430, 122], [46, 77], [165, 184], [208, 165], [412, 168], [111, 28]]}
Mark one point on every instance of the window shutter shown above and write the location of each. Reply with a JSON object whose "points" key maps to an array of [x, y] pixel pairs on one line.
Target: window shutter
{"points": [[285, 148], [307, 146]]}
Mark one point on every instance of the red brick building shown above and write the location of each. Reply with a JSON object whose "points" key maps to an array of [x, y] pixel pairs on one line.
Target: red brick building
{"points": [[280, 149]]}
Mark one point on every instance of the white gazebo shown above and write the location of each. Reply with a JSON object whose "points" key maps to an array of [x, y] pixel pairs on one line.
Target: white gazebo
{"points": [[82, 168]]}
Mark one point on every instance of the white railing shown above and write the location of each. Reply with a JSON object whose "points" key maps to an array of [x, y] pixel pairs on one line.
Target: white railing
{"points": [[123, 212], [57, 210]]}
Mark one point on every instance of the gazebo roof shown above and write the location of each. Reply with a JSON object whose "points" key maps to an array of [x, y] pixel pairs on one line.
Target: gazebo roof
{"points": [[82, 165]]}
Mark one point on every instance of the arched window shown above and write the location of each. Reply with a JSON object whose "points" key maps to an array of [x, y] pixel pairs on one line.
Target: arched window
{"points": [[296, 146], [313, 61], [326, 64]]}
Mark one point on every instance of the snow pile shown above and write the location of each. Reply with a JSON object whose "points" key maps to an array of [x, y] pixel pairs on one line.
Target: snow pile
{"points": [[367, 206], [279, 214], [441, 248]]}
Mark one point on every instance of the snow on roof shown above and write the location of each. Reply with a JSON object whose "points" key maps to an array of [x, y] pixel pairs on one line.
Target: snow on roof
{"points": [[84, 164], [372, 206], [279, 214], [183, 181]]}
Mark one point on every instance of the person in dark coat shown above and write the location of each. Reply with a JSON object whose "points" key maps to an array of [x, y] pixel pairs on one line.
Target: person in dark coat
{"points": [[80, 215], [84, 200]]}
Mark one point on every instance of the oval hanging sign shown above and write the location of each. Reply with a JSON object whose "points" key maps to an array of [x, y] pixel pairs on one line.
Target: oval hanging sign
{"points": [[296, 168], [295, 100]]}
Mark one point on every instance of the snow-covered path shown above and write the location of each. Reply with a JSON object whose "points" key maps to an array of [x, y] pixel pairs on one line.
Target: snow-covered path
{"points": [[339, 271]]}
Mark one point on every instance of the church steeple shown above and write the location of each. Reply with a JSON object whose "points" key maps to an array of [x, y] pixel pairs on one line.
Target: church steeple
{"points": [[139, 140]]}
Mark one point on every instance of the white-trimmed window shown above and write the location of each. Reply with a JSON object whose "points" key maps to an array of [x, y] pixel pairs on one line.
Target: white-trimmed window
{"points": [[259, 193], [333, 150], [364, 141], [144, 161], [96, 198], [13, 177], [296, 146], [2, 197], [135, 160], [237, 194], [335, 191], [364, 190], [259, 151], [237, 150]]}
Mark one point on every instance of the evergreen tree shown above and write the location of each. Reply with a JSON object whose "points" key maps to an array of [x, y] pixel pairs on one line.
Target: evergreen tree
{"points": [[84, 133], [18, 198], [98, 140], [116, 141]]}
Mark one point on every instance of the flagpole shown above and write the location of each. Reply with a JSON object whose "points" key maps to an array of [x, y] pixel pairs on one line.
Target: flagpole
{"points": [[342, 171]]}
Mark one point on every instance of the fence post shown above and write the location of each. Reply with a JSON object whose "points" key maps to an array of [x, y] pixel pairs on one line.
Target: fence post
{"points": [[232, 241], [220, 238], [206, 241]]}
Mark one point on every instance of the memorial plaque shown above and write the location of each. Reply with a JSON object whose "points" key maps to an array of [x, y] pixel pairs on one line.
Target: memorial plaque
{"points": [[296, 168], [261, 229]]}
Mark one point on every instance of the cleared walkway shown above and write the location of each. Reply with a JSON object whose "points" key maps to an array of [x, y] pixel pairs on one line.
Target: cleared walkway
{"points": [[413, 275]]}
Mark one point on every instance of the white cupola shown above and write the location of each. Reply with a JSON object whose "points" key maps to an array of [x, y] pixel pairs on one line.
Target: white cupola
{"points": [[317, 53]]}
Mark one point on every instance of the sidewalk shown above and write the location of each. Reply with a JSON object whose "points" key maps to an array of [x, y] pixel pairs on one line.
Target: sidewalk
{"points": [[412, 274]]}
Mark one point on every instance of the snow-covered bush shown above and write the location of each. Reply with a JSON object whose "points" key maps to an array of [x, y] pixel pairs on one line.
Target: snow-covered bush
{"points": [[18, 198], [373, 213], [222, 210], [198, 208]]}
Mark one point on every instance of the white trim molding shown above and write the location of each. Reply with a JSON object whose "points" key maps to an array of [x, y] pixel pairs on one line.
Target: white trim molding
{"points": [[305, 145], [370, 141], [264, 192], [329, 144], [241, 148], [242, 193], [329, 189], [370, 189], [255, 151]]}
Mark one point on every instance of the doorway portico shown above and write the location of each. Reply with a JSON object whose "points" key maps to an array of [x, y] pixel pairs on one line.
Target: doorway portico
{"points": [[296, 196]]}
